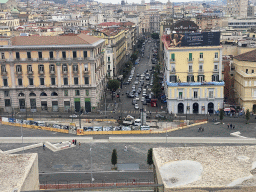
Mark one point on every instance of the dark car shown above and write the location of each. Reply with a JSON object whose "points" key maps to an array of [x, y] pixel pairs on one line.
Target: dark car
{"points": [[126, 83]]}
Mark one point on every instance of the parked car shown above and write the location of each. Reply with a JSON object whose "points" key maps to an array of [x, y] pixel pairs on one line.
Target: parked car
{"points": [[136, 106]]}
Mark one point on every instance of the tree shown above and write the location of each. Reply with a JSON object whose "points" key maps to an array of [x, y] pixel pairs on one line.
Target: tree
{"points": [[134, 56], [247, 116], [150, 157], [113, 85], [114, 157], [155, 35], [221, 115]]}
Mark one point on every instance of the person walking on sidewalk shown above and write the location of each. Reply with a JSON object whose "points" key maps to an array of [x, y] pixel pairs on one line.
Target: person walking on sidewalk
{"points": [[43, 146], [75, 141], [125, 148]]}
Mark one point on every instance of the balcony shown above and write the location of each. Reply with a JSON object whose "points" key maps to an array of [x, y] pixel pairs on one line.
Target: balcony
{"points": [[46, 58], [4, 73], [172, 61], [40, 72], [215, 70], [200, 60], [86, 71], [65, 72], [195, 98], [80, 58], [180, 98], [52, 72], [30, 72], [190, 71], [200, 71], [190, 60], [216, 60], [75, 71], [211, 98], [173, 70], [19, 72]]}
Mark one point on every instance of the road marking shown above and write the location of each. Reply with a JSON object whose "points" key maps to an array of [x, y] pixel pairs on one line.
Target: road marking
{"points": [[237, 134]]}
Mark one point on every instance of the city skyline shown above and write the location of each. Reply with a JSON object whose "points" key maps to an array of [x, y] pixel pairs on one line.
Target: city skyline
{"points": [[147, 1]]}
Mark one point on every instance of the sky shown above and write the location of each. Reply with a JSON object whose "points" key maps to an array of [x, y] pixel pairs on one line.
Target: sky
{"points": [[139, 1]]}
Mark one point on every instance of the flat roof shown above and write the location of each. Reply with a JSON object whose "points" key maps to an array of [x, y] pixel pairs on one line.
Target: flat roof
{"points": [[217, 166]]}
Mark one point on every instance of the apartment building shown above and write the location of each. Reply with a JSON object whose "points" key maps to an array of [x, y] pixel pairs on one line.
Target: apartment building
{"points": [[51, 73], [206, 22], [245, 80], [193, 73], [237, 8]]}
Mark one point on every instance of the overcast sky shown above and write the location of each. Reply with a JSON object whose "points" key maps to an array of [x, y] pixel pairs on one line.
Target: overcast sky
{"points": [[139, 1]]}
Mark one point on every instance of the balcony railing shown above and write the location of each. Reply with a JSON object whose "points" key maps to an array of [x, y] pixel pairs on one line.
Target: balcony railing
{"points": [[172, 61], [41, 72], [4, 73], [201, 60], [30, 72], [216, 59], [190, 71], [65, 72], [52, 72], [200, 70], [19, 72], [190, 60], [86, 71]]}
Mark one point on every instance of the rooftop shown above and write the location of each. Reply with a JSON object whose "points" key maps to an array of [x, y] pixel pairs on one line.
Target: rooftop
{"points": [[222, 83], [248, 56], [54, 40], [217, 166]]}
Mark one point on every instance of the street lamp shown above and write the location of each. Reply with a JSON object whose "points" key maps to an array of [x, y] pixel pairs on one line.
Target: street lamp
{"points": [[21, 128], [92, 179]]}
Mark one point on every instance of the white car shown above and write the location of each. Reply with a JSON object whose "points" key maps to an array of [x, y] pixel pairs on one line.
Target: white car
{"points": [[136, 82], [74, 115], [137, 122], [142, 99], [136, 106], [137, 98]]}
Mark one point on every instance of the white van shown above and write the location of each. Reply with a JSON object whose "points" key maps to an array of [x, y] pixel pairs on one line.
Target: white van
{"points": [[41, 123], [137, 122], [144, 127]]}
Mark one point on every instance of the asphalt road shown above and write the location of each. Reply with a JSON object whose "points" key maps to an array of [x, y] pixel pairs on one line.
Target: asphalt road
{"points": [[99, 177]]}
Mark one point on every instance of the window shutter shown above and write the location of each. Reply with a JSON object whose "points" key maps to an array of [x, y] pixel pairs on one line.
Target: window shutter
{"points": [[170, 79], [212, 77], [187, 78], [175, 78], [190, 56], [192, 79], [217, 78], [203, 77], [198, 78]]}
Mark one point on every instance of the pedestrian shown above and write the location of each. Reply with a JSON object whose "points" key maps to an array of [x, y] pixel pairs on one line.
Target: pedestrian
{"points": [[228, 125], [233, 126], [69, 144], [43, 146], [150, 112], [125, 148], [79, 144], [75, 141]]}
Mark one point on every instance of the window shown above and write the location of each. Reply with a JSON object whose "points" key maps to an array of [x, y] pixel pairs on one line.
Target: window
{"points": [[29, 55], [29, 68], [246, 71], [108, 67], [41, 69], [85, 54], [75, 68], [17, 55], [85, 67], [41, 81], [216, 55], [180, 95], [20, 82], [74, 54], [200, 78], [172, 57], [215, 77], [173, 79], [64, 54], [52, 68], [215, 67], [65, 81], [190, 57], [77, 92], [190, 69], [201, 68], [210, 94], [108, 59], [195, 94], [201, 55], [3, 68], [18, 68], [7, 102], [64, 68], [51, 55], [53, 80], [252, 70], [86, 80], [5, 82], [65, 93], [31, 81], [2, 56], [190, 78], [6, 93], [40, 55], [76, 80]]}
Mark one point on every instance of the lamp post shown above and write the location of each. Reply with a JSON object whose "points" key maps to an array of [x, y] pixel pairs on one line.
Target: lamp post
{"points": [[166, 132], [21, 129], [92, 179]]}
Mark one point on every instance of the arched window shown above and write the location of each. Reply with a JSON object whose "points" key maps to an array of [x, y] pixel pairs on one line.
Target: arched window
{"points": [[21, 95], [54, 94], [32, 94], [43, 94]]}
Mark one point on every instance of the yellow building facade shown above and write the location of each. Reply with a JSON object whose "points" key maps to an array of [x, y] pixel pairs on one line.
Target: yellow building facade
{"points": [[52, 74], [245, 80], [193, 78]]}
